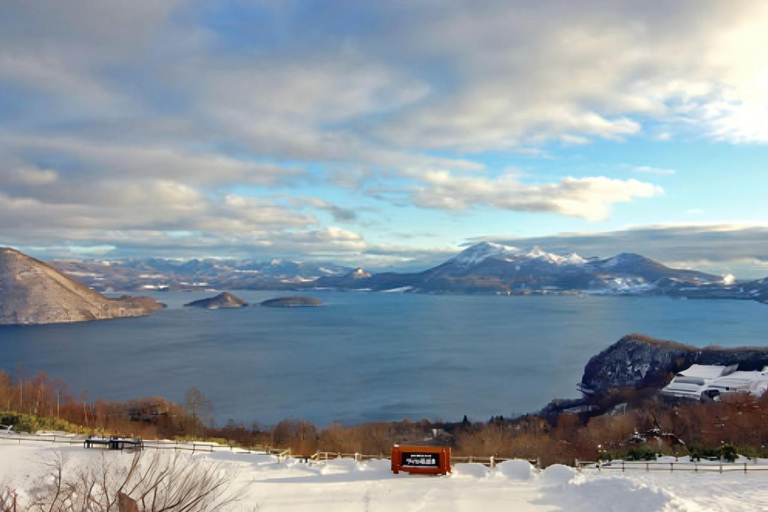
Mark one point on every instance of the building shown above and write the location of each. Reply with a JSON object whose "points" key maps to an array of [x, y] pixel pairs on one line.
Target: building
{"points": [[691, 383], [752, 383]]}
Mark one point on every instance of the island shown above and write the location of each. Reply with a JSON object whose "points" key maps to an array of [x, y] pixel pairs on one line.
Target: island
{"points": [[293, 302], [224, 300]]}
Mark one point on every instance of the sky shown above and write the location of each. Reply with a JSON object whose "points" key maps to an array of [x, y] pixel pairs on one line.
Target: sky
{"points": [[385, 134]]}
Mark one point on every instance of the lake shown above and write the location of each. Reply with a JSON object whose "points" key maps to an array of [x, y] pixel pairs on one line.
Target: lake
{"points": [[366, 356]]}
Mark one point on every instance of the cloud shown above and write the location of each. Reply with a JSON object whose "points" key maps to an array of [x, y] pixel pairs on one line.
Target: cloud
{"points": [[130, 162], [588, 198], [338, 213], [565, 71], [654, 170], [126, 122], [26, 175]]}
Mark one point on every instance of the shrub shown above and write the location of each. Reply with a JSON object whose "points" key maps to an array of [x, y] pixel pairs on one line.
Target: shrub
{"points": [[641, 453], [729, 453], [31, 423], [606, 457], [747, 451]]}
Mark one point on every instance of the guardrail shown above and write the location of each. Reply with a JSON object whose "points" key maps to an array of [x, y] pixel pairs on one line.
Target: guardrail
{"points": [[671, 467]]}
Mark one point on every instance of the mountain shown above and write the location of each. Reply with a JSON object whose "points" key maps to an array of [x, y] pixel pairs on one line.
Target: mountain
{"points": [[489, 267], [33, 292], [197, 274], [223, 300], [757, 290], [482, 268]]}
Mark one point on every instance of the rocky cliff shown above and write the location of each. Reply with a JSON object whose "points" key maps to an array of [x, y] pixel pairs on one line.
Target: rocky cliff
{"points": [[639, 361], [32, 292]]}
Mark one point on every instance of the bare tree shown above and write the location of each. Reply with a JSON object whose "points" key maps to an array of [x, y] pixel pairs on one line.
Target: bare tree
{"points": [[198, 407], [150, 483]]}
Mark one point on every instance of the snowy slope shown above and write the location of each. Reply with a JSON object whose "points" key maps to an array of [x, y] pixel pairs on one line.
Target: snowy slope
{"points": [[484, 250], [345, 485]]}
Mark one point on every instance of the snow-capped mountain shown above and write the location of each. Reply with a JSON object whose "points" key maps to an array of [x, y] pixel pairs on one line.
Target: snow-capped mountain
{"points": [[488, 250], [485, 267], [170, 274], [491, 267]]}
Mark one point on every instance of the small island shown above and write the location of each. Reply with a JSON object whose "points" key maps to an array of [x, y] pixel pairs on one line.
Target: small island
{"points": [[223, 300], [292, 302]]}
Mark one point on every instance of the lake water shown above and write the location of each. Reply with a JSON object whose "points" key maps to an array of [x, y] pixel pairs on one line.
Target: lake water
{"points": [[366, 356]]}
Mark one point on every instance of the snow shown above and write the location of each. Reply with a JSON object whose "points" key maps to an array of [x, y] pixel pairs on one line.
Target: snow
{"points": [[485, 250], [402, 289], [482, 251], [692, 382], [345, 485], [707, 371], [516, 470], [612, 262]]}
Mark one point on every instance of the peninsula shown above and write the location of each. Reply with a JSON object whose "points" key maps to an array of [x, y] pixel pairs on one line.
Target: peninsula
{"points": [[33, 292]]}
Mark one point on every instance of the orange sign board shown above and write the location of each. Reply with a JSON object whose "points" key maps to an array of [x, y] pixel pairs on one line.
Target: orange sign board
{"points": [[421, 460]]}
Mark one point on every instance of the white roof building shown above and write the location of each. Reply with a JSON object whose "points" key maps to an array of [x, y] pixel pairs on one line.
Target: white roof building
{"points": [[754, 383], [691, 383]]}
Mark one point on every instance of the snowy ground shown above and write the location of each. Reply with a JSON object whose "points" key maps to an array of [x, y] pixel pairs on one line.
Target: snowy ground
{"points": [[344, 485]]}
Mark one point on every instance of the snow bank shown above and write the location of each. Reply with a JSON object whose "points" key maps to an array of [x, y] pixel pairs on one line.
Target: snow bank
{"points": [[610, 494], [516, 470], [473, 469], [557, 474]]}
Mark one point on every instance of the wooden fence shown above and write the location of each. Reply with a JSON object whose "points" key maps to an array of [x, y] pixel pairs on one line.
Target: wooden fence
{"points": [[671, 467], [282, 454]]}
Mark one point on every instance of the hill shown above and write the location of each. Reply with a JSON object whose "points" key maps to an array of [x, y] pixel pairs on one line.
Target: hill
{"points": [[224, 300], [33, 292]]}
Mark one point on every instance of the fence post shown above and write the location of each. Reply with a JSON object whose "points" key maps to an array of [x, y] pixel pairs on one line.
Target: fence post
{"points": [[671, 467], [622, 466], [721, 467], [745, 468], [647, 467], [493, 461]]}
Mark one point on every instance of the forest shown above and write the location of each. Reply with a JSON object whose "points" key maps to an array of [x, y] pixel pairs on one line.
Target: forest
{"points": [[637, 424]]}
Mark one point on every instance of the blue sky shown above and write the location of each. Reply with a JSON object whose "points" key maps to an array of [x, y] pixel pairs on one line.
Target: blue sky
{"points": [[385, 134]]}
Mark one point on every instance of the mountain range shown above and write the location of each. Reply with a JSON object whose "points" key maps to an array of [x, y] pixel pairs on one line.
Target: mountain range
{"points": [[197, 274], [481, 268], [489, 267]]}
